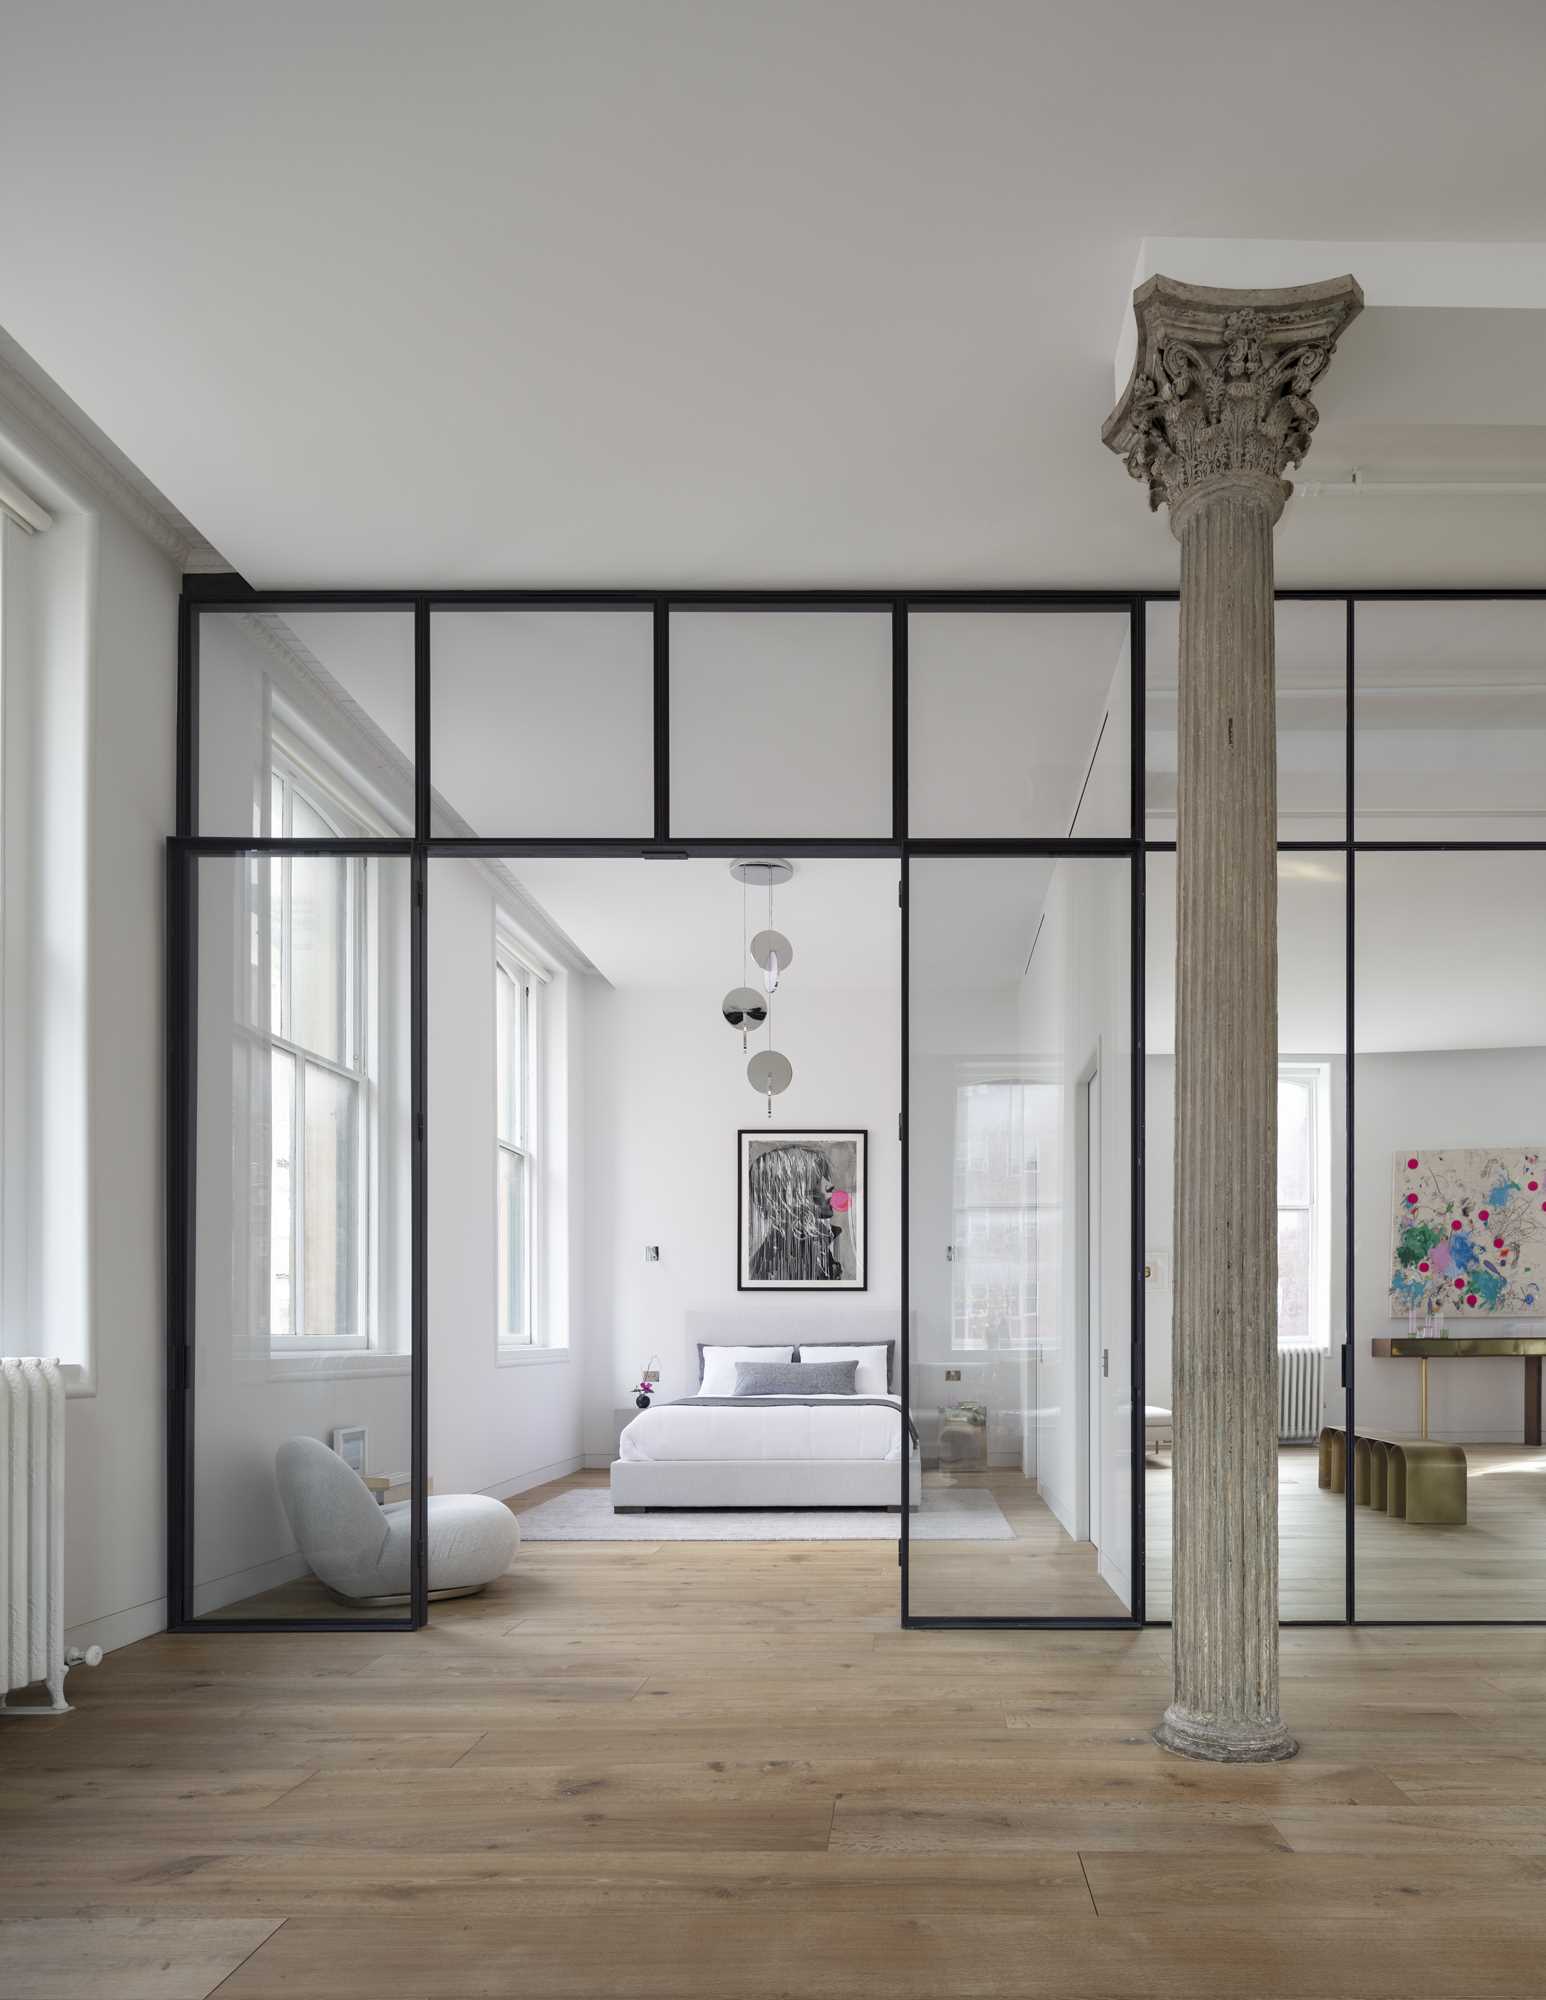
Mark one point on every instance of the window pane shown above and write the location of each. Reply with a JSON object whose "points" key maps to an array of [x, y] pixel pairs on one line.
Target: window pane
{"points": [[507, 1064], [318, 941], [512, 1247], [1018, 723], [781, 723], [1294, 1268], [1312, 1285], [1311, 646], [1450, 720], [296, 1246], [1448, 1206], [331, 1246], [1019, 1231], [1295, 1106], [333, 685], [281, 1310], [544, 722]]}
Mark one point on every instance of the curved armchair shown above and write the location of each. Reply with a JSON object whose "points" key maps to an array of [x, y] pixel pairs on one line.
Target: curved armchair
{"points": [[360, 1550]]}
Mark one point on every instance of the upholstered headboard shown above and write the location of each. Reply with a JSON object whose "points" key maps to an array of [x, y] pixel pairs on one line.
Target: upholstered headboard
{"points": [[852, 1326]]}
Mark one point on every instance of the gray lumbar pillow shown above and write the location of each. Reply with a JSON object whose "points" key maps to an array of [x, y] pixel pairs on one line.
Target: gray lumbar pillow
{"points": [[795, 1378]]}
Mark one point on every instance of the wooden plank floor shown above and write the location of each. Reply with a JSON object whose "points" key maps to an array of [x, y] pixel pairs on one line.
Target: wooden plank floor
{"points": [[681, 1770]]}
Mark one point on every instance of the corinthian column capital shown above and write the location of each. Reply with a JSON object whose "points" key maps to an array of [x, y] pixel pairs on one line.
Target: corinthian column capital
{"points": [[1220, 394]]}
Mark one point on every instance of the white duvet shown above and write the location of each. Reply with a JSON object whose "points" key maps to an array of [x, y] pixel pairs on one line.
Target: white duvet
{"points": [[758, 1428]]}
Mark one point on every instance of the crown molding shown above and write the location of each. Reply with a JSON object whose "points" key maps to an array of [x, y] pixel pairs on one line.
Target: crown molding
{"points": [[39, 414]]}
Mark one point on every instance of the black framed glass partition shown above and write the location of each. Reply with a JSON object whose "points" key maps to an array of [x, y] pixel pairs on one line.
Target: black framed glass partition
{"points": [[1014, 752]]}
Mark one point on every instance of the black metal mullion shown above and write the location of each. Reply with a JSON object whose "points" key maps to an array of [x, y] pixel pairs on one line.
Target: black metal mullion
{"points": [[905, 1386], [187, 784], [181, 1154], [1349, 1044], [418, 1496], [1138, 976], [662, 720]]}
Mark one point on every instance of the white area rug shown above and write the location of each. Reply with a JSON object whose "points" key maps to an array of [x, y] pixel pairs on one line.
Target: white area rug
{"points": [[952, 1514]]}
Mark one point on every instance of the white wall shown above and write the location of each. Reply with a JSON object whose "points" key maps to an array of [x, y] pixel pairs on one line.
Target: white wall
{"points": [[90, 687], [666, 1094]]}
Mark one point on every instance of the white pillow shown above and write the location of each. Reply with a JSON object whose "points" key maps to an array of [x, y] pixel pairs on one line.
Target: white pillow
{"points": [[869, 1377], [719, 1366]]}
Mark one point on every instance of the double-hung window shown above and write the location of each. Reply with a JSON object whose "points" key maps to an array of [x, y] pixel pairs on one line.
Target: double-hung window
{"points": [[993, 1255], [516, 997], [318, 1015], [1304, 1264]]}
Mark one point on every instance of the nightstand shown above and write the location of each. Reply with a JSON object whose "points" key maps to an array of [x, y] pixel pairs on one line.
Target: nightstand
{"points": [[383, 1489], [621, 1419]]}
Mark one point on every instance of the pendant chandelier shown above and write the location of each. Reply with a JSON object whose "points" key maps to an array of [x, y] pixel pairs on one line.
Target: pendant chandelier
{"points": [[749, 1008]]}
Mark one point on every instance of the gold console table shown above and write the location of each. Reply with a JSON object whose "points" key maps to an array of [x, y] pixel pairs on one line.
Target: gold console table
{"points": [[1474, 1347]]}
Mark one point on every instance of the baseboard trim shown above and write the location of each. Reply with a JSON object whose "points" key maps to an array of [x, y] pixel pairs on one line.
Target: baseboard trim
{"points": [[223, 1590], [119, 1628], [506, 1489]]}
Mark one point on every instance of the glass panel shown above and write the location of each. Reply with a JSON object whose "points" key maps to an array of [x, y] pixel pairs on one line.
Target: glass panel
{"points": [[1018, 724], [324, 693], [1312, 1182], [1311, 639], [1020, 1073], [781, 724], [1450, 720], [303, 1247], [543, 723], [1450, 1229], [512, 1247]]}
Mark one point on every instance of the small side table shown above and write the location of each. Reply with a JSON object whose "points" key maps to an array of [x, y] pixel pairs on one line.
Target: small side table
{"points": [[621, 1419], [383, 1489]]}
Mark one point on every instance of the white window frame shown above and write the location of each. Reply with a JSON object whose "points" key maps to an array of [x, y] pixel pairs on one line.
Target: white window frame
{"points": [[359, 1070], [524, 1144], [1315, 1079]]}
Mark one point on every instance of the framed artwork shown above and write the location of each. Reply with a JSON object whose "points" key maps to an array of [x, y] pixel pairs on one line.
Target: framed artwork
{"points": [[802, 1212], [349, 1443], [1469, 1233]]}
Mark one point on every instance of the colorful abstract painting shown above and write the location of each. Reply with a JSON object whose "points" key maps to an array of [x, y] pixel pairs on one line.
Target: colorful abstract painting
{"points": [[1470, 1234]]}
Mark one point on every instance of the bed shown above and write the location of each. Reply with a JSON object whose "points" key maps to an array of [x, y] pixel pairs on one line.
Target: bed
{"points": [[717, 1449]]}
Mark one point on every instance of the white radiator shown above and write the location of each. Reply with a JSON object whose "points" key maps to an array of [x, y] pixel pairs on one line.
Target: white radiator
{"points": [[32, 1531], [1301, 1375]]}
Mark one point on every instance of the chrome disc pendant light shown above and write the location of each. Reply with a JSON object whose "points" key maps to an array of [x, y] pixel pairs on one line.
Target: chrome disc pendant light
{"points": [[768, 1072]]}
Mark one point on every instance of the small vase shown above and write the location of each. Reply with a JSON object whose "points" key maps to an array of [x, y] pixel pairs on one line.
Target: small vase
{"points": [[641, 1402]]}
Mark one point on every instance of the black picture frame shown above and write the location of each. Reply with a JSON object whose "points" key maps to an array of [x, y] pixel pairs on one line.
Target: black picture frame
{"points": [[751, 1142]]}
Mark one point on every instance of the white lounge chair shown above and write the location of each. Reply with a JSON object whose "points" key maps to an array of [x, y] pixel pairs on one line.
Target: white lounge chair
{"points": [[359, 1550]]}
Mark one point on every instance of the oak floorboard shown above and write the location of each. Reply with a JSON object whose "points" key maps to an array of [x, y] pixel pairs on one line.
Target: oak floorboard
{"points": [[135, 1956], [699, 1770]]}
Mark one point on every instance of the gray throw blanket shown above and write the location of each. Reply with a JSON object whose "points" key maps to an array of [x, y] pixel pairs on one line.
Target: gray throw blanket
{"points": [[788, 1403]]}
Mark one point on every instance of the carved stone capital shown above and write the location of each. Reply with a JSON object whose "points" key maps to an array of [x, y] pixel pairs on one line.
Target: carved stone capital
{"points": [[1221, 383]]}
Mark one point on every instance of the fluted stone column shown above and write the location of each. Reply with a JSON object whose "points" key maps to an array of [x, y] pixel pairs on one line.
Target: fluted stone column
{"points": [[1218, 408]]}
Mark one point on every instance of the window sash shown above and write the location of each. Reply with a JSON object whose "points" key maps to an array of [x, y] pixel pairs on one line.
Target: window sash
{"points": [[516, 1174], [274, 995]]}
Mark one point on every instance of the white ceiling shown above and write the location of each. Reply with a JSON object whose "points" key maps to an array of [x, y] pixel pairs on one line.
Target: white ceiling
{"points": [[683, 291], [677, 924]]}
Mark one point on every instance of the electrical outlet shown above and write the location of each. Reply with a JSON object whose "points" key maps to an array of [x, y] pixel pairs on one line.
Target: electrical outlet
{"points": [[652, 1253], [952, 1374]]}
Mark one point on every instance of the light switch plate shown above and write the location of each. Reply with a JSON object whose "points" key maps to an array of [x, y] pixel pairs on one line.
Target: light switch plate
{"points": [[652, 1253]]}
